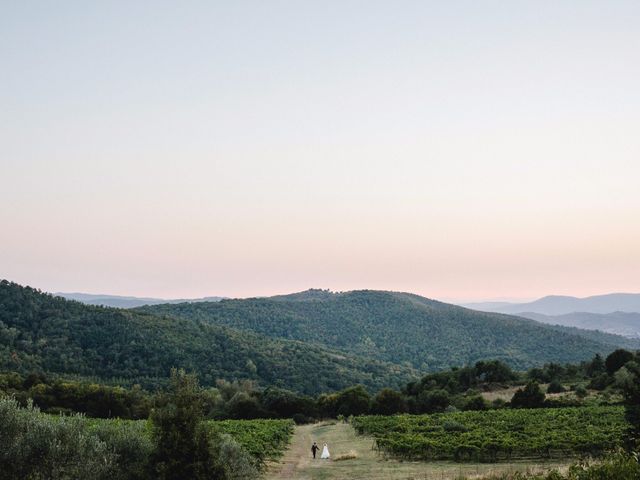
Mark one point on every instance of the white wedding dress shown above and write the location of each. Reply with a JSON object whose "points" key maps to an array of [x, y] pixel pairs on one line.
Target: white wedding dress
{"points": [[325, 452]]}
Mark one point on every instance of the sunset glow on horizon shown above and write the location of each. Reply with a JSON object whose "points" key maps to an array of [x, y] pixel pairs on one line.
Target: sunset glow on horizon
{"points": [[457, 151]]}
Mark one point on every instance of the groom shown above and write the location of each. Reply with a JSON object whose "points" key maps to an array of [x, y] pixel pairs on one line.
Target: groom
{"points": [[314, 449]]}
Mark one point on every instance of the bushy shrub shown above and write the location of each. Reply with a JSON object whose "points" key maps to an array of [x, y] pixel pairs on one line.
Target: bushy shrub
{"points": [[475, 402], [35, 446], [555, 387], [528, 397], [433, 401], [132, 444], [232, 461], [600, 382], [581, 392]]}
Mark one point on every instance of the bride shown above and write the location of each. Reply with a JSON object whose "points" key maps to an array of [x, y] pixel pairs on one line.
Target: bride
{"points": [[325, 452]]}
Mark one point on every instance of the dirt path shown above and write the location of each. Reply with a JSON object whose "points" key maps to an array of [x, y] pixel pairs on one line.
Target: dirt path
{"points": [[296, 459], [298, 463]]}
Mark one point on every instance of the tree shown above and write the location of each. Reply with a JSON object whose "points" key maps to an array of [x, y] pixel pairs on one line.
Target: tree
{"points": [[596, 367], [244, 406], [475, 403], [388, 402], [494, 371], [285, 404], [353, 401], [529, 397], [183, 448], [555, 387], [628, 379], [616, 360], [433, 401]]}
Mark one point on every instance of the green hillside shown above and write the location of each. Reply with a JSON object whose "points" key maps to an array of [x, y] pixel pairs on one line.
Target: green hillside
{"points": [[40, 332], [395, 327]]}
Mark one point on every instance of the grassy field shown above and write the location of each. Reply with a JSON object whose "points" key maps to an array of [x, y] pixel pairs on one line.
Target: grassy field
{"points": [[297, 462]]}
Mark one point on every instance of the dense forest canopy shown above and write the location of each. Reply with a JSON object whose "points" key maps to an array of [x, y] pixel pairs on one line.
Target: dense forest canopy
{"points": [[399, 327], [40, 332], [311, 342]]}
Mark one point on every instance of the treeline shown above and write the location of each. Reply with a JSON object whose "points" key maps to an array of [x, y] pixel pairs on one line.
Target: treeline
{"points": [[57, 396], [398, 327], [455, 389]]}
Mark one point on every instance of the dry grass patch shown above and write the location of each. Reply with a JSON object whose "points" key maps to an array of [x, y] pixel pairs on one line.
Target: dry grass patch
{"points": [[350, 455]]}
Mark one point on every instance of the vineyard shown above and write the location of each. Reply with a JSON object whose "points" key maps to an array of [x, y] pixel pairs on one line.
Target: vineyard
{"points": [[263, 439], [494, 435]]}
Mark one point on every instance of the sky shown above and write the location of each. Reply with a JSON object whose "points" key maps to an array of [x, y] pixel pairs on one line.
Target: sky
{"points": [[460, 150]]}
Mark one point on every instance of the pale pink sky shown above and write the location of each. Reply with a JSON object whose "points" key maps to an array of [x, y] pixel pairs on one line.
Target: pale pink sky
{"points": [[459, 151]]}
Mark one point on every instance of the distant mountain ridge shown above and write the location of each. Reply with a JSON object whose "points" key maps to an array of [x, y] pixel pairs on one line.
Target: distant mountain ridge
{"points": [[561, 305], [397, 327], [615, 313], [120, 301], [618, 323]]}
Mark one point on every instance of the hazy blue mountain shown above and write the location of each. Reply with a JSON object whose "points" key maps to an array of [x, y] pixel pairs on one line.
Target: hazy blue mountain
{"points": [[561, 305], [619, 323], [487, 306], [120, 301]]}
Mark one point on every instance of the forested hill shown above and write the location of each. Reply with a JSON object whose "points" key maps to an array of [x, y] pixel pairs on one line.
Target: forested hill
{"points": [[396, 327], [40, 332]]}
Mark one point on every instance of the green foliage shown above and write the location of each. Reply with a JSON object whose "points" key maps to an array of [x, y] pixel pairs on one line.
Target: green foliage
{"points": [[596, 367], [600, 382], [581, 392], [39, 332], [232, 461], [130, 441], [388, 402], [285, 404], [615, 467], [262, 439], [183, 448], [617, 359], [350, 401], [35, 446], [92, 399], [459, 380], [528, 397], [394, 327], [475, 402], [628, 379], [433, 401], [497, 434], [555, 387]]}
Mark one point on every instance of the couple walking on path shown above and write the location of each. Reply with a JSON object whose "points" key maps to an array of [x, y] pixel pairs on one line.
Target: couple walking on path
{"points": [[325, 450]]}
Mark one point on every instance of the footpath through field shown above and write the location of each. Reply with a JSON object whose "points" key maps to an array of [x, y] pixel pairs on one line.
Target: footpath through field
{"points": [[298, 463]]}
